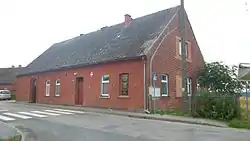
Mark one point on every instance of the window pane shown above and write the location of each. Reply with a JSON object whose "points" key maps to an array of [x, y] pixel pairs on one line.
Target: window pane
{"points": [[57, 82], [164, 88], [57, 92], [186, 47], [105, 78], [124, 82], [105, 89], [164, 77], [180, 47], [47, 89]]}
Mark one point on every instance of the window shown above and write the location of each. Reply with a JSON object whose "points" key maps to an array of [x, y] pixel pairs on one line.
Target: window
{"points": [[124, 84], [57, 90], [189, 86], [105, 86], [47, 88], [186, 48], [164, 85]]}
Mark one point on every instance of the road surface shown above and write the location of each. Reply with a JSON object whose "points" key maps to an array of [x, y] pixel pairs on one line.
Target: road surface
{"points": [[48, 124]]}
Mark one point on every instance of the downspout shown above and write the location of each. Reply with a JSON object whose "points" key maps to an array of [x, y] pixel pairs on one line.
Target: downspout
{"points": [[144, 86], [152, 57]]}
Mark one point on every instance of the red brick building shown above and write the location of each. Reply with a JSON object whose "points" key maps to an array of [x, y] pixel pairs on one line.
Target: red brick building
{"points": [[8, 77], [111, 67]]}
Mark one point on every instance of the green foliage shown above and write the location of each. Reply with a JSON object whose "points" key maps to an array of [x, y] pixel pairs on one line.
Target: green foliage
{"points": [[218, 77], [15, 138], [174, 112], [238, 123], [217, 106]]}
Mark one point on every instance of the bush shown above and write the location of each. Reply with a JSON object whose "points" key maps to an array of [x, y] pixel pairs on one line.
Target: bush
{"points": [[13, 95], [215, 106]]}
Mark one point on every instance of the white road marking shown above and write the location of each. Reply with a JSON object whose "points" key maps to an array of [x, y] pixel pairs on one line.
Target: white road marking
{"points": [[32, 114], [46, 113], [4, 110], [6, 118], [71, 111], [60, 112], [17, 115]]}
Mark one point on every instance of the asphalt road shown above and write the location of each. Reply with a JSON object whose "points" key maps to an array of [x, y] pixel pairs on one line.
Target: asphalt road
{"points": [[99, 127]]}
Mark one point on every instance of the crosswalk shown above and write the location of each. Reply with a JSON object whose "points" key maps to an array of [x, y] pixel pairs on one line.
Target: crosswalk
{"points": [[12, 116]]}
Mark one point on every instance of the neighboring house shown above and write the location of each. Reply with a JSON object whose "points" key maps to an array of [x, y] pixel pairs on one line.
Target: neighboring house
{"points": [[8, 77], [111, 67]]}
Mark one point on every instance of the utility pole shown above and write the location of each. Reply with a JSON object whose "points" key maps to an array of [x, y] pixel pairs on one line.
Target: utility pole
{"points": [[183, 54]]}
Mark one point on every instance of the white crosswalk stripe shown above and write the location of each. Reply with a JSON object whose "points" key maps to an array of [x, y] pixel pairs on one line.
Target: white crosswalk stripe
{"points": [[45, 113], [17, 115], [10, 116], [71, 111], [6, 118], [32, 114], [4, 110], [59, 112]]}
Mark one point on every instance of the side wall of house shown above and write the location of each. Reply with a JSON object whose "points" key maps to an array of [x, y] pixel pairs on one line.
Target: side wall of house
{"points": [[91, 86], [168, 61], [10, 87]]}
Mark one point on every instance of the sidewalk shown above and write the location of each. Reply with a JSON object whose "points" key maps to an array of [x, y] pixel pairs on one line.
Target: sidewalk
{"points": [[7, 132], [171, 118]]}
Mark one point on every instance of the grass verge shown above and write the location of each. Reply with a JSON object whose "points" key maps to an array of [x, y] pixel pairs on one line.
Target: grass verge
{"points": [[173, 112], [15, 138], [239, 123]]}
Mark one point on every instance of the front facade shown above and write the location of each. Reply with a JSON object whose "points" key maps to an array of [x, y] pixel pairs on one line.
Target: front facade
{"points": [[120, 83]]}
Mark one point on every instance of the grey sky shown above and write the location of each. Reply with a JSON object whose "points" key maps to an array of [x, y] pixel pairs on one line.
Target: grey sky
{"points": [[29, 27]]}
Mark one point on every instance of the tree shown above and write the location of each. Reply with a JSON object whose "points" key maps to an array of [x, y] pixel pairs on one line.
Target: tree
{"points": [[218, 77]]}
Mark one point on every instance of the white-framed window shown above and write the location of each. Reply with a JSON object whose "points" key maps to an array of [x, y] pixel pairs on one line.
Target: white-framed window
{"points": [[186, 48], [105, 85], [189, 86], [47, 87], [57, 89], [164, 85]]}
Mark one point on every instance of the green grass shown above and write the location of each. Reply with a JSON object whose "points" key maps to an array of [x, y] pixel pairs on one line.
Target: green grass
{"points": [[15, 138], [244, 121], [239, 123], [174, 112]]}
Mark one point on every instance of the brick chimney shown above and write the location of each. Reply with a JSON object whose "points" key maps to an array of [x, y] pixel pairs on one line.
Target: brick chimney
{"points": [[127, 19]]}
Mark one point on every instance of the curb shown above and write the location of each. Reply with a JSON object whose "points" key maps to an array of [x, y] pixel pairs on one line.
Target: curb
{"points": [[18, 131], [109, 112], [156, 118]]}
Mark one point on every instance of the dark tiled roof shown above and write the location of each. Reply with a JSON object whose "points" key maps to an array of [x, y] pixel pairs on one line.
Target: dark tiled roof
{"points": [[8, 75], [107, 44]]}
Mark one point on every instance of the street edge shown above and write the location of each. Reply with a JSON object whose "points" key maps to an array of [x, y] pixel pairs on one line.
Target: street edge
{"points": [[18, 131], [124, 114]]}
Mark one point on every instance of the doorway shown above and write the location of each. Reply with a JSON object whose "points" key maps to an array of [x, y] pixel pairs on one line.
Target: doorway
{"points": [[79, 91], [33, 93]]}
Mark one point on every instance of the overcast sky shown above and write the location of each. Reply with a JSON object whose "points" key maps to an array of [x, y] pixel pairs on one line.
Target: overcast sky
{"points": [[29, 27]]}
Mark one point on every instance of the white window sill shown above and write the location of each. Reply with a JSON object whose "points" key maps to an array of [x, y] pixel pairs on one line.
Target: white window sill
{"points": [[57, 95], [164, 95], [104, 96], [47, 95]]}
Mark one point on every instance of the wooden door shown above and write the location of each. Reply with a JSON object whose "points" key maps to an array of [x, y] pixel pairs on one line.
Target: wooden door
{"points": [[79, 91]]}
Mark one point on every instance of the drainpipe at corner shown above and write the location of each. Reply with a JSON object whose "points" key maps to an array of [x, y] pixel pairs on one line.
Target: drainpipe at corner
{"points": [[144, 86], [153, 55]]}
